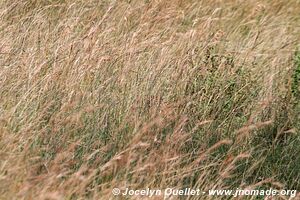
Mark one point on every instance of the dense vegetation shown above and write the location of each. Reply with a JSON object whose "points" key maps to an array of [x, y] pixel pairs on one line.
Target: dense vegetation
{"points": [[185, 93]]}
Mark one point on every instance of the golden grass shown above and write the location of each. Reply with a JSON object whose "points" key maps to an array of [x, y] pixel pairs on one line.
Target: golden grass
{"points": [[185, 93]]}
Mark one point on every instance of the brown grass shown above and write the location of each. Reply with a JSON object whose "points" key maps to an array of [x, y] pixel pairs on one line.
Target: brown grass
{"points": [[102, 94]]}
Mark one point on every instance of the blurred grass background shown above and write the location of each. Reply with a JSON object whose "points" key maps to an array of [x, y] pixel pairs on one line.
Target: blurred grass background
{"points": [[102, 94]]}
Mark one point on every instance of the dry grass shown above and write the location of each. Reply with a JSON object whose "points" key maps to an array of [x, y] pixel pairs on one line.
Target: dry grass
{"points": [[102, 94]]}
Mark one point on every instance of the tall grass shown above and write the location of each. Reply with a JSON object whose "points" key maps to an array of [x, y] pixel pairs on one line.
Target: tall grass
{"points": [[102, 94]]}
